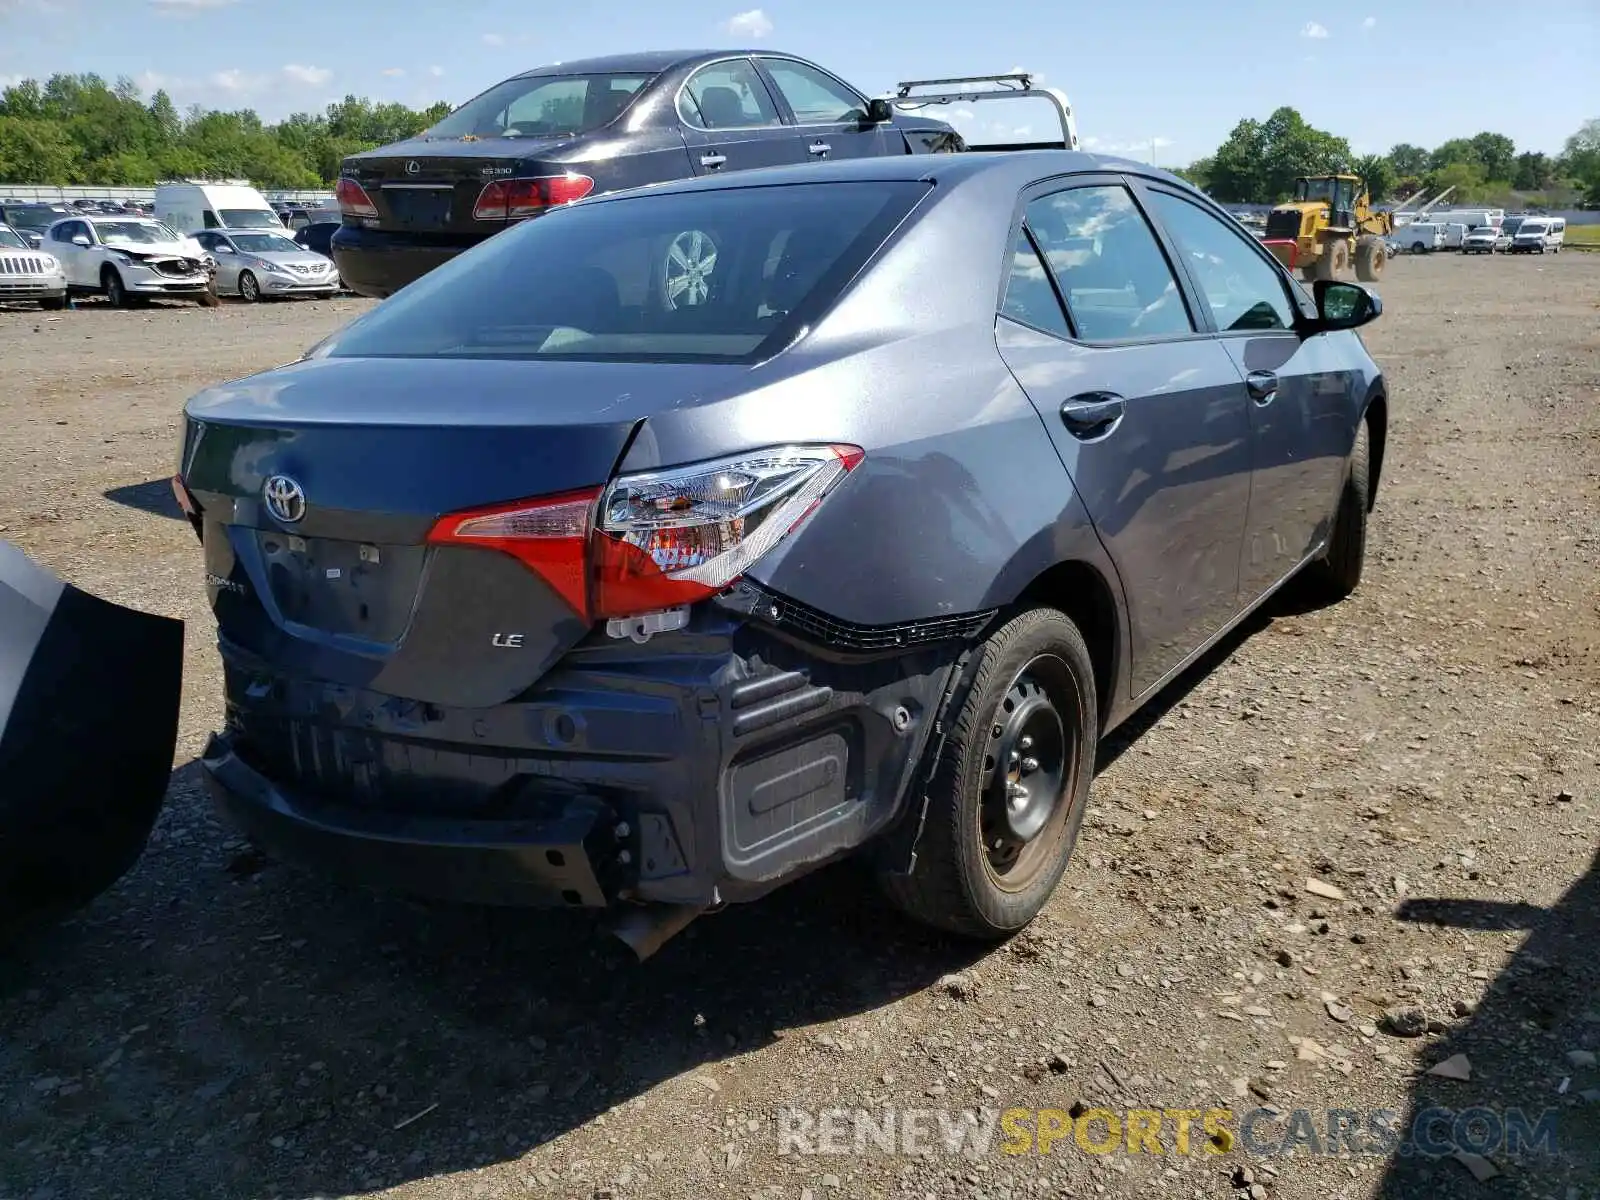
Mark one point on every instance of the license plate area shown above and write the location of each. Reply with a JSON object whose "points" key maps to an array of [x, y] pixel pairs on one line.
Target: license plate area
{"points": [[358, 589], [419, 206]]}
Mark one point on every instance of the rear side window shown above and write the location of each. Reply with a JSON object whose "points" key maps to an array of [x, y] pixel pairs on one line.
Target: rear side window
{"points": [[815, 98], [704, 276], [1242, 289], [1030, 296], [1116, 280], [727, 95]]}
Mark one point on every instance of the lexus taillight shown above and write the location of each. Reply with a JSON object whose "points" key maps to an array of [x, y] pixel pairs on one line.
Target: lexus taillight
{"points": [[509, 199], [353, 199], [663, 538]]}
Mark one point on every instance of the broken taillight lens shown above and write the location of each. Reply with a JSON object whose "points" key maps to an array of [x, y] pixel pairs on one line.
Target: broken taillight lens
{"points": [[353, 199], [662, 538], [511, 199]]}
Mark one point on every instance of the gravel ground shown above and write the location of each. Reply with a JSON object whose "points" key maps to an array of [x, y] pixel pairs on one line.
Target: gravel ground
{"points": [[218, 1025]]}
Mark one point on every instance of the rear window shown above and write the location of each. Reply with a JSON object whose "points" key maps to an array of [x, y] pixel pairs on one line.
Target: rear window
{"points": [[712, 276], [34, 218], [542, 106]]}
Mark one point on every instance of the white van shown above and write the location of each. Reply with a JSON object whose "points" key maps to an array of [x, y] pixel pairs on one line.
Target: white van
{"points": [[1538, 234], [1419, 237], [189, 207], [1455, 232]]}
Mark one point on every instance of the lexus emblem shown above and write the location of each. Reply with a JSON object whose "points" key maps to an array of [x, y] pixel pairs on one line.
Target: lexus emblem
{"points": [[413, 167], [285, 499]]}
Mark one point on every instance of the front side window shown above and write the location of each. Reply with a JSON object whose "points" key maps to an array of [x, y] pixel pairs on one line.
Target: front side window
{"points": [[1241, 288], [1108, 264], [816, 98], [724, 276], [541, 106], [727, 95]]}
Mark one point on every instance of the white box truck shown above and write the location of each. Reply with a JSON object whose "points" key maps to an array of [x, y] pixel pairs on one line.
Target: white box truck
{"points": [[191, 207]]}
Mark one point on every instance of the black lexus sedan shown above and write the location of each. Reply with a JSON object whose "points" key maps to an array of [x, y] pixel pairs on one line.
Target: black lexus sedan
{"points": [[559, 133]]}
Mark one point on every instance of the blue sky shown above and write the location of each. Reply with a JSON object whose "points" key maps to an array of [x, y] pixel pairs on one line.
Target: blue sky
{"points": [[1168, 77]]}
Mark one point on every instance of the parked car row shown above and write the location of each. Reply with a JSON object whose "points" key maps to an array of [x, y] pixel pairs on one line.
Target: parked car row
{"points": [[128, 259], [1510, 235]]}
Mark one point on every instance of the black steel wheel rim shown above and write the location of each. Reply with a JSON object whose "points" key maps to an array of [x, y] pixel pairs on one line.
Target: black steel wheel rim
{"points": [[1030, 770]]}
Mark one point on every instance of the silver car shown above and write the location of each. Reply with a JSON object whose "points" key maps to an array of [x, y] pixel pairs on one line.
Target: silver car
{"points": [[1485, 239], [253, 263], [29, 274]]}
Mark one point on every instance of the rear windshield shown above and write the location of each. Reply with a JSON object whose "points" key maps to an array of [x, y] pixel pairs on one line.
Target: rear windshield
{"points": [[34, 218], [715, 276], [250, 218], [542, 106]]}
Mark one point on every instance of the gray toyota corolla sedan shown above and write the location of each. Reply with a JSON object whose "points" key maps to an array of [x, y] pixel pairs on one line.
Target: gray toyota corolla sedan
{"points": [[672, 545]]}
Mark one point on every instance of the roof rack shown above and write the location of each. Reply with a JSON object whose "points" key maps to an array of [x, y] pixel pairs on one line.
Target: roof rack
{"points": [[1006, 87]]}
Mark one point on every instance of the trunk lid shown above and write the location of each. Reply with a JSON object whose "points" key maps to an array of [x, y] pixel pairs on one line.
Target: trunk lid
{"points": [[431, 186], [374, 451]]}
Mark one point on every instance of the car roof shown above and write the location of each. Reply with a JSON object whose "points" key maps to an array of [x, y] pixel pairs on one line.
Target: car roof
{"points": [[1017, 167], [640, 62]]}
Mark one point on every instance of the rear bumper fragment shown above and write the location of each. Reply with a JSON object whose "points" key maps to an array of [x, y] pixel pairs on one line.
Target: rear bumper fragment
{"points": [[537, 862]]}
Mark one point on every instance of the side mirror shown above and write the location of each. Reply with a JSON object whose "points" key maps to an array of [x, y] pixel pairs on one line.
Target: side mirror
{"points": [[879, 110], [80, 239], [1342, 305], [221, 249]]}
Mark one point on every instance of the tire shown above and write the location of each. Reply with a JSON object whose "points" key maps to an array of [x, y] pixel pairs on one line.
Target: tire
{"points": [[1033, 681], [1338, 572], [1418, 248], [116, 294], [1370, 259], [53, 303], [249, 288], [209, 297]]}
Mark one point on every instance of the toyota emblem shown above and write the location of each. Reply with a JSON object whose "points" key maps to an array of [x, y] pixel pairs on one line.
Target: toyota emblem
{"points": [[413, 167], [285, 499]]}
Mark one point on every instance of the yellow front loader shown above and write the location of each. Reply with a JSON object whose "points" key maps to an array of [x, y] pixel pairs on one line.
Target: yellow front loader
{"points": [[1329, 225]]}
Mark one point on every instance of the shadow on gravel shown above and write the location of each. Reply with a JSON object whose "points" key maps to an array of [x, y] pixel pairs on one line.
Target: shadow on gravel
{"points": [[154, 497], [221, 1025], [1543, 1006]]}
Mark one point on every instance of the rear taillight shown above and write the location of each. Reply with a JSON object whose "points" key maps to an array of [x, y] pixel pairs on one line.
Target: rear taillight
{"points": [[509, 199], [353, 199], [661, 539]]}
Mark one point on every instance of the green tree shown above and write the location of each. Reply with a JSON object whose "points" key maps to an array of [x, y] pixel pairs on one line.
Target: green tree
{"points": [[1379, 173], [35, 149], [1580, 157], [1496, 154], [1533, 172], [1409, 161], [1261, 159]]}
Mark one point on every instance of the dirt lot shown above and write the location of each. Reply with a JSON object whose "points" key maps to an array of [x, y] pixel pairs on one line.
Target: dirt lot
{"points": [[219, 1026]]}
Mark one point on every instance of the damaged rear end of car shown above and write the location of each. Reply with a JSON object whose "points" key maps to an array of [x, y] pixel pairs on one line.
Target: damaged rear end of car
{"points": [[486, 638]]}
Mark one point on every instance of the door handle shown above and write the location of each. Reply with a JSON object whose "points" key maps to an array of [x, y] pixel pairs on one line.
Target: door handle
{"points": [[713, 160], [1262, 385], [820, 148], [1093, 415]]}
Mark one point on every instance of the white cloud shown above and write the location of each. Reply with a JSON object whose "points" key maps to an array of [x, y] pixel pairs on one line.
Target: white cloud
{"points": [[311, 76], [394, 72], [1369, 23], [494, 39], [753, 24], [232, 80], [1314, 31], [436, 72], [186, 8]]}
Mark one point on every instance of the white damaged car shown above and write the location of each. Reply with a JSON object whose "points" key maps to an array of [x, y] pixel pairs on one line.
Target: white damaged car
{"points": [[130, 259]]}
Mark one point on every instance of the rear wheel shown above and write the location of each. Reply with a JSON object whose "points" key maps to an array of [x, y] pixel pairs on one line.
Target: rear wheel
{"points": [[249, 289], [1009, 791], [1338, 572]]}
